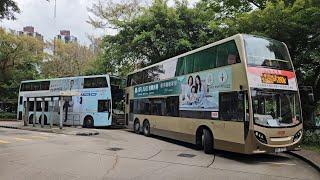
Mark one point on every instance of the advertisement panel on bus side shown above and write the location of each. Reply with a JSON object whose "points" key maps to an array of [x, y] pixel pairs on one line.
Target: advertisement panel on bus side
{"points": [[66, 84], [197, 91]]}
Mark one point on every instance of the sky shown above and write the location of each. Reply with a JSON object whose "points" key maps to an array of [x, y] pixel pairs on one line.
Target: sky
{"points": [[71, 15]]}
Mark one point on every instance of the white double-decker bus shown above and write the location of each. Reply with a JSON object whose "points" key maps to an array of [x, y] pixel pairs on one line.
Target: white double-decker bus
{"points": [[99, 101]]}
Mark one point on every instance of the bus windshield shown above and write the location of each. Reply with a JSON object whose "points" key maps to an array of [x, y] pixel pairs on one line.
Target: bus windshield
{"points": [[276, 108], [264, 52]]}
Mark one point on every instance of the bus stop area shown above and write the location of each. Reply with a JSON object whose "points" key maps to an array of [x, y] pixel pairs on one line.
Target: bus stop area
{"points": [[61, 96], [49, 125]]}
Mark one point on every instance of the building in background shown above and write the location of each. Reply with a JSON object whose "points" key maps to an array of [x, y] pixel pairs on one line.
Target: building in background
{"points": [[66, 37], [29, 30]]}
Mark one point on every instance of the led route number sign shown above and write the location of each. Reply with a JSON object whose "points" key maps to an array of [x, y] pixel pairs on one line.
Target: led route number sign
{"points": [[274, 79]]}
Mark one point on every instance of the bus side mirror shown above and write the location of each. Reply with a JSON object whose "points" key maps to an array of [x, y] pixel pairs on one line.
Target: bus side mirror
{"points": [[311, 97], [80, 100]]}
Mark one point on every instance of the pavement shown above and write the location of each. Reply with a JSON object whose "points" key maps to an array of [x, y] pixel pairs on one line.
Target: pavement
{"points": [[119, 154], [312, 157], [65, 130]]}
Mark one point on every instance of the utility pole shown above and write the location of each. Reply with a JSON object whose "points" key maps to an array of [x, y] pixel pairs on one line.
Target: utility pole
{"points": [[55, 9]]}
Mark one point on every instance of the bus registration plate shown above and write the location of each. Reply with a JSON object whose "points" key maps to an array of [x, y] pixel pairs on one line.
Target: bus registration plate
{"points": [[282, 149]]}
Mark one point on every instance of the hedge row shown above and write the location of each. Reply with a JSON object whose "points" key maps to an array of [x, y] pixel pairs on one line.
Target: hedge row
{"points": [[7, 115]]}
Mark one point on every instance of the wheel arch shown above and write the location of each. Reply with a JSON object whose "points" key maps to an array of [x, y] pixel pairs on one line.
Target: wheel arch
{"points": [[136, 120], [145, 120], [87, 116], [199, 132]]}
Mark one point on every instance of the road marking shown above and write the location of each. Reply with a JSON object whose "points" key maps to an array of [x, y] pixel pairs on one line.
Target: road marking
{"points": [[288, 164], [39, 137], [45, 134], [21, 139], [4, 142]]}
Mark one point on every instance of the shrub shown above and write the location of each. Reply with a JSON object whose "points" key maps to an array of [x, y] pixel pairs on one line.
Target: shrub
{"points": [[7, 115], [311, 138]]}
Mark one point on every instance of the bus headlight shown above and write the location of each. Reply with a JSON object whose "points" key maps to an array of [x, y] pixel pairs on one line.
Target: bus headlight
{"points": [[261, 137], [297, 135]]}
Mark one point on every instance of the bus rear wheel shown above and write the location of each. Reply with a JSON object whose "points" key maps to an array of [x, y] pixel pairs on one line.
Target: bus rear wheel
{"points": [[136, 127], [207, 142], [88, 122], [146, 128]]}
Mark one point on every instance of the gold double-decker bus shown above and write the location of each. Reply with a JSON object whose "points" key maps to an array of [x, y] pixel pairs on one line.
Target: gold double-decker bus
{"points": [[239, 94]]}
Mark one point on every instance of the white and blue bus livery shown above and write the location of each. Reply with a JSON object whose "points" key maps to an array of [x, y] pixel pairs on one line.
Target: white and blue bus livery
{"points": [[99, 101]]}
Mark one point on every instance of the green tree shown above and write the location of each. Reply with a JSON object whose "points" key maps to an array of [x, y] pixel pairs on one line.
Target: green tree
{"points": [[8, 8], [19, 59], [156, 33], [67, 59]]}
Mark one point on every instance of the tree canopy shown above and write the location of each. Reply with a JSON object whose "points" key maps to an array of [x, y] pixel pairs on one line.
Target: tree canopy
{"points": [[8, 8], [19, 60], [66, 59]]}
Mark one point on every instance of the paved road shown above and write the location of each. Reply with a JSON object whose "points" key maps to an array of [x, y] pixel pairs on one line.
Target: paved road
{"points": [[118, 154]]}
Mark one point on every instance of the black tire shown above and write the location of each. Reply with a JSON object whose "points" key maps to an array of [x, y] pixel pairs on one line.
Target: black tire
{"points": [[207, 141], [88, 122], [136, 127], [146, 128]]}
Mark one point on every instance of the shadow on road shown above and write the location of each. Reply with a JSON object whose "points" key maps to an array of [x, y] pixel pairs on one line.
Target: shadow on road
{"points": [[243, 158], [251, 158]]}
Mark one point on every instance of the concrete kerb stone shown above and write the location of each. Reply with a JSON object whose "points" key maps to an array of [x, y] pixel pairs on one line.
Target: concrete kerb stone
{"points": [[306, 159], [82, 132], [10, 127]]}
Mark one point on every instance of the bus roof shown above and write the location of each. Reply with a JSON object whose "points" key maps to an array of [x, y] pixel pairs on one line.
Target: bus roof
{"points": [[192, 51], [101, 75]]}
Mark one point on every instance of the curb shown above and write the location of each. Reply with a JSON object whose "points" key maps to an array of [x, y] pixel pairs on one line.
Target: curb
{"points": [[9, 127], [51, 131], [316, 166]]}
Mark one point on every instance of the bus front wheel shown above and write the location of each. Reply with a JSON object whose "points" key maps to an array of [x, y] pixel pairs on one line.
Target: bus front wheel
{"points": [[136, 127], [88, 122], [146, 128], [207, 141]]}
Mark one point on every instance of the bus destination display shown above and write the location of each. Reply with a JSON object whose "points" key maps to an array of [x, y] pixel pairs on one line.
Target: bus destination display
{"points": [[274, 79]]}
